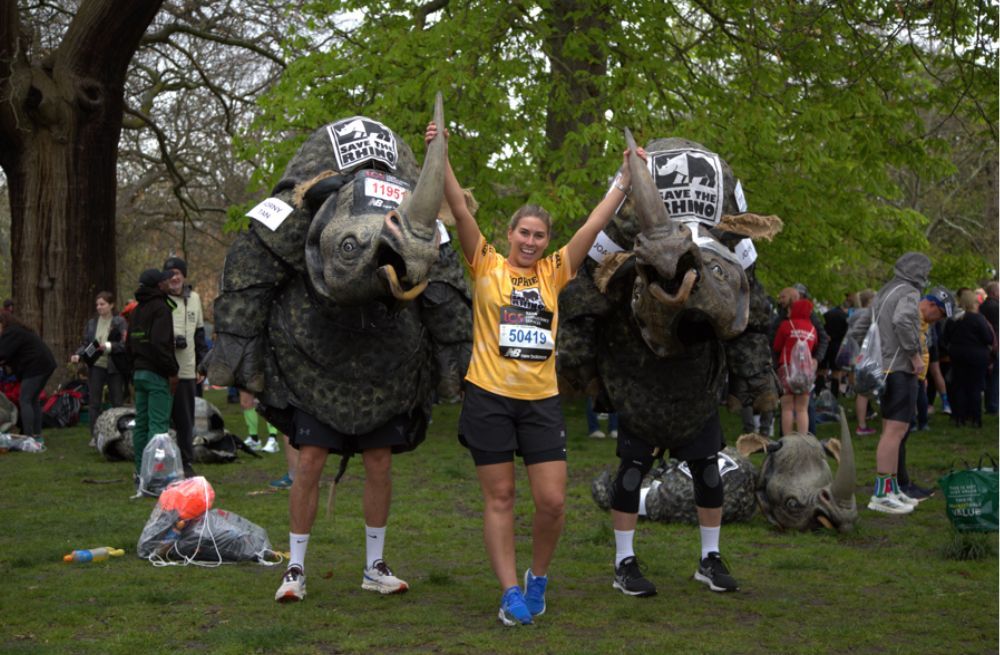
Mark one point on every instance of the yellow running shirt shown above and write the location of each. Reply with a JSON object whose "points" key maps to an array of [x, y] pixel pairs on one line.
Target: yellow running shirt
{"points": [[514, 319]]}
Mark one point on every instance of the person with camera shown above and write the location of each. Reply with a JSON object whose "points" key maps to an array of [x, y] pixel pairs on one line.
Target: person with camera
{"points": [[189, 349], [150, 346], [102, 351], [32, 363]]}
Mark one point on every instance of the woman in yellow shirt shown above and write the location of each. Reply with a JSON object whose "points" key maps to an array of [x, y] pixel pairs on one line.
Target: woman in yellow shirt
{"points": [[511, 400]]}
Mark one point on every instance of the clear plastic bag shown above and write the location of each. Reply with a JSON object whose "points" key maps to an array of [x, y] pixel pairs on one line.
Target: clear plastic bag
{"points": [[869, 379], [161, 465], [846, 355], [801, 370]]}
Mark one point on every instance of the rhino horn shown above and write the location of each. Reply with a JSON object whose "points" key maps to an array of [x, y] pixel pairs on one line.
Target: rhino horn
{"points": [[645, 198], [843, 485], [422, 206]]}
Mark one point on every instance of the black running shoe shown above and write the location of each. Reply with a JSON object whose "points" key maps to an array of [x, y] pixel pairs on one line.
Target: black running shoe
{"points": [[713, 572], [630, 581], [916, 492]]}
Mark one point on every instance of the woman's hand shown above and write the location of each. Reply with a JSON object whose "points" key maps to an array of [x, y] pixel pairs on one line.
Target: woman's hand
{"points": [[625, 175], [74, 359], [432, 132]]}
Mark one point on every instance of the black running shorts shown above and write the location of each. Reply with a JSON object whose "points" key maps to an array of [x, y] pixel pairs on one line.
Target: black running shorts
{"points": [[491, 423], [310, 431], [899, 400], [707, 443]]}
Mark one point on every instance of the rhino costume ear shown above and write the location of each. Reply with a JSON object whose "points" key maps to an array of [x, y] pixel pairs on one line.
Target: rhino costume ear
{"points": [[748, 444]]}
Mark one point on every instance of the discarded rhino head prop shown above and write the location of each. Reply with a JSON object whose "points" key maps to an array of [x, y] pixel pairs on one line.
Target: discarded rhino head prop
{"points": [[796, 489], [669, 495], [341, 299], [112, 432], [646, 326]]}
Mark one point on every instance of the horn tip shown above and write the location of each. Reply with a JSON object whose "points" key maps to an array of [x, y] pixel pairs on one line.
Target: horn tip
{"points": [[629, 139]]}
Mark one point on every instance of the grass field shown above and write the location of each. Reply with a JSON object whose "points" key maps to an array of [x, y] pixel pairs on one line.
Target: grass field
{"points": [[890, 586]]}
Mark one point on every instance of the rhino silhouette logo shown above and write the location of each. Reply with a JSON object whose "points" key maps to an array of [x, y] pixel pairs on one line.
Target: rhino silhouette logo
{"points": [[688, 168], [359, 140], [530, 299]]}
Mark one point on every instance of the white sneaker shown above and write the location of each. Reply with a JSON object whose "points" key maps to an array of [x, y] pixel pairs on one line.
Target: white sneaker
{"points": [[906, 500], [251, 443], [379, 578], [613, 434], [293, 586], [271, 446], [597, 434], [889, 505]]}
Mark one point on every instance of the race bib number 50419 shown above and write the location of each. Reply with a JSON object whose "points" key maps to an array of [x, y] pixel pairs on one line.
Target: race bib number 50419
{"points": [[525, 334]]}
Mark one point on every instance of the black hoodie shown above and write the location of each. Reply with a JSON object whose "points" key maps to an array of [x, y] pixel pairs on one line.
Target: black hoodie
{"points": [[151, 333]]}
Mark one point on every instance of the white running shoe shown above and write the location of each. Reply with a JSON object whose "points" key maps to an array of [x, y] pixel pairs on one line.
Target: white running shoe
{"points": [[251, 443], [613, 434], [293, 586], [597, 434], [271, 446], [906, 500], [380, 578], [889, 505]]}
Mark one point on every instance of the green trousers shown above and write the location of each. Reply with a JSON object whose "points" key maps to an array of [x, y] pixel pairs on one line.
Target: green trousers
{"points": [[152, 410]]}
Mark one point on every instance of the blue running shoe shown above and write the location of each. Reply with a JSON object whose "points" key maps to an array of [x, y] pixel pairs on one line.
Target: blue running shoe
{"points": [[512, 608], [283, 482], [534, 592]]}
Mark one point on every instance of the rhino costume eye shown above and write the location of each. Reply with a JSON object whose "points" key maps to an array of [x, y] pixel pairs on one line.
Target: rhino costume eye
{"points": [[717, 271], [793, 504], [349, 245]]}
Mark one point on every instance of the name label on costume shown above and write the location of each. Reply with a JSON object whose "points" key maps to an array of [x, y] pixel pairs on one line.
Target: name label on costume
{"points": [[603, 246], [746, 253], [741, 200], [271, 212], [525, 334], [443, 231]]}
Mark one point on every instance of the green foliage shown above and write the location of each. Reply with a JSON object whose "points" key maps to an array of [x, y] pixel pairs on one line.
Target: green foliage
{"points": [[815, 105]]}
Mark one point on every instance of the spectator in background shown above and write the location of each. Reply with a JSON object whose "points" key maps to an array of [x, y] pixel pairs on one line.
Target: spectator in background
{"points": [[835, 323], [896, 311], [861, 401], [794, 403], [150, 345], [32, 363], [105, 334], [8, 306], [594, 426], [971, 344], [189, 349], [991, 312]]}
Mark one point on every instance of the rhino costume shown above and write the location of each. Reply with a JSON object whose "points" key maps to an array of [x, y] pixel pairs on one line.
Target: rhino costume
{"points": [[646, 328], [340, 299]]}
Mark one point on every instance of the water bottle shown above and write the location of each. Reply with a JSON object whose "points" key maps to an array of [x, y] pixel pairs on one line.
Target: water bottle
{"points": [[93, 554]]}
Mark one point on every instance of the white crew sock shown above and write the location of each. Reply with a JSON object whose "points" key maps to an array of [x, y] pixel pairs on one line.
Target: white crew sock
{"points": [[297, 546], [374, 543], [709, 540], [623, 545]]}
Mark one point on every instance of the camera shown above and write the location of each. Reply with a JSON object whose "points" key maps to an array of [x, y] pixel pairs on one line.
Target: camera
{"points": [[180, 342], [90, 353]]}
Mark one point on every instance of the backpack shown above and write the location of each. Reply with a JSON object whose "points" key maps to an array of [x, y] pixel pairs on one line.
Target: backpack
{"points": [[799, 370], [869, 379], [62, 409]]}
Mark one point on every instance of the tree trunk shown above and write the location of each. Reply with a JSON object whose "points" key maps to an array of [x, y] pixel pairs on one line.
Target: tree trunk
{"points": [[58, 146]]}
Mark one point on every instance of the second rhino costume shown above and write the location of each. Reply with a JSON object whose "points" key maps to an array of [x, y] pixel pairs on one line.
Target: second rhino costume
{"points": [[342, 299]]}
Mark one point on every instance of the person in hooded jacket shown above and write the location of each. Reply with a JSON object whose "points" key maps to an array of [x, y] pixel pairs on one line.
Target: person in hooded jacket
{"points": [[797, 327], [150, 345], [895, 310], [32, 363]]}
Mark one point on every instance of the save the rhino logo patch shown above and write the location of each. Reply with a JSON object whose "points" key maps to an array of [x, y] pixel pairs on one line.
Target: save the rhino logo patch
{"points": [[530, 299], [690, 183], [359, 140]]}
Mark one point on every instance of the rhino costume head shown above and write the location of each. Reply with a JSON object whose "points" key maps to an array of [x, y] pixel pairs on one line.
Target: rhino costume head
{"points": [[355, 252], [796, 489], [686, 279]]}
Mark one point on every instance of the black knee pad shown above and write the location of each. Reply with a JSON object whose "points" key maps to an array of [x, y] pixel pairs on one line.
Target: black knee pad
{"points": [[627, 482], [708, 489]]}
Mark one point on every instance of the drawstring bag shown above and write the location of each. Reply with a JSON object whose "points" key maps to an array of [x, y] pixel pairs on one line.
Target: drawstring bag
{"points": [[846, 354], [970, 497], [869, 378], [161, 465], [801, 372]]}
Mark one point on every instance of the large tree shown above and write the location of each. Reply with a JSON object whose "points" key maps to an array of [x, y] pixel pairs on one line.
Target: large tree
{"points": [[60, 121], [817, 105]]}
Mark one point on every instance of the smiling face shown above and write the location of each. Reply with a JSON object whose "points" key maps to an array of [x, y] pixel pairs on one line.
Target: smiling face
{"points": [[528, 240], [175, 284]]}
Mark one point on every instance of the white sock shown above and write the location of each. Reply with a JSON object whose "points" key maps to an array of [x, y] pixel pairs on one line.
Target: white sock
{"points": [[709, 540], [374, 543], [623, 545], [297, 545]]}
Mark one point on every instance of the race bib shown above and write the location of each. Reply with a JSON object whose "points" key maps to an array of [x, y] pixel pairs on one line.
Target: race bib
{"points": [[526, 334], [375, 191], [603, 246]]}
